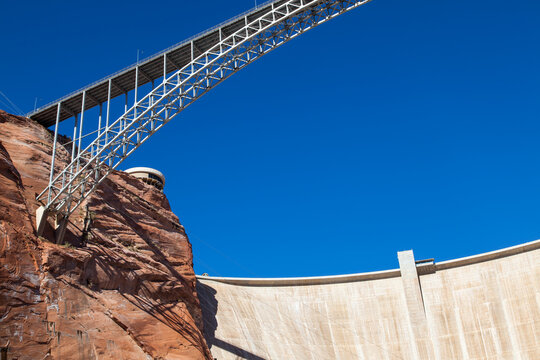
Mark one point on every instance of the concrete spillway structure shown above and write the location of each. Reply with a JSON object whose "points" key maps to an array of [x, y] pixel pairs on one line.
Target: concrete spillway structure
{"points": [[480, 307]]}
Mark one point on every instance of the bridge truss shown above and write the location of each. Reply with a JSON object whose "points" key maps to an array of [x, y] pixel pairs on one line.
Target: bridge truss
{"points": [[199, 65]]}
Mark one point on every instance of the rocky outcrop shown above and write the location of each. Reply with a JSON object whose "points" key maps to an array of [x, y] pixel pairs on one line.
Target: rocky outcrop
{"points": [[123, 290]]}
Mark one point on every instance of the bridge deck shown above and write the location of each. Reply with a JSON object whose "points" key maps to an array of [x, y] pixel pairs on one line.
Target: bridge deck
{"points": [[150, 69]]}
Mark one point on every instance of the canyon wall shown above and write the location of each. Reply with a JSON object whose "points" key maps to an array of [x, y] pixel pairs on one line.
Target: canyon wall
{"points": [[123, 290]]}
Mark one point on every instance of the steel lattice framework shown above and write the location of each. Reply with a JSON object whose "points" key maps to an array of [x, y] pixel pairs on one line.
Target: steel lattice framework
{"points": [[115, 140]]}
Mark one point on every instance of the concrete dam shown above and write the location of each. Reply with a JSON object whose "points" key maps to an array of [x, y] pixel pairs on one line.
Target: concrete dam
{"points": [[485, 306]]}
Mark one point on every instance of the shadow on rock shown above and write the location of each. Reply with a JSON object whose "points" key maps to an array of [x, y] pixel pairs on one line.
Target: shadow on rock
{"points": [[209, 306]]}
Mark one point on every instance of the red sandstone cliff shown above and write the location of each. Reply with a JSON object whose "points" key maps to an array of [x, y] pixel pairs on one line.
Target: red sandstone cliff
{"points": [[129, 293]]}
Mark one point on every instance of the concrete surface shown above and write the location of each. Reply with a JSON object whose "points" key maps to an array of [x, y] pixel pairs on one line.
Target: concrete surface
{"points": [[480, 307]]}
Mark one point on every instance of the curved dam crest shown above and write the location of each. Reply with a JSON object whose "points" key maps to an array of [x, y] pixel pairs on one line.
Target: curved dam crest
{"points": [[485, 306]]}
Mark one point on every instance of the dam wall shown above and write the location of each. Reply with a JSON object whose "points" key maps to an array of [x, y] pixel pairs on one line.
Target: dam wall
{"points": [[480, 307]]}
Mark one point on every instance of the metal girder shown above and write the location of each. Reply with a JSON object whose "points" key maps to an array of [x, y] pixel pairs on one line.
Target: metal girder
{"points": [[175, 64], [117, 140], [143, 73], [124, 91]]}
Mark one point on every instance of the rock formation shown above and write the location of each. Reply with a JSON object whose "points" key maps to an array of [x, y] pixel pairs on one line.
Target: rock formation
{"points": [[125, 289]]}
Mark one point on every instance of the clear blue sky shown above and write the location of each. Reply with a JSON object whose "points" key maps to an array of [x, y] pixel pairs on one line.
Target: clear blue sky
{"points": [[399, 125]]}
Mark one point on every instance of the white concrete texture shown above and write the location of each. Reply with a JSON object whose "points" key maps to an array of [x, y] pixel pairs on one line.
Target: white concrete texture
{"points": [[482, 307]]}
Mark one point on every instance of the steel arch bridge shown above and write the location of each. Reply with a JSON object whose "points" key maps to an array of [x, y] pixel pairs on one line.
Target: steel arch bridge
{"points": [[178, 76]]}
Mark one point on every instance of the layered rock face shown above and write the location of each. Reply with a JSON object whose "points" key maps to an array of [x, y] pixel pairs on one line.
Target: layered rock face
{"points": [[123, 290]]}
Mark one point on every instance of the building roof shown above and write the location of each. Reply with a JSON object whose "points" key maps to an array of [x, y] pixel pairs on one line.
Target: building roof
{"points": [[146, 170]]}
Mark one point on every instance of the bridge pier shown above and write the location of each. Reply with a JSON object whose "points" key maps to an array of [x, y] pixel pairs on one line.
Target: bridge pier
{"points": [[41, 220], [60, 223]]}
